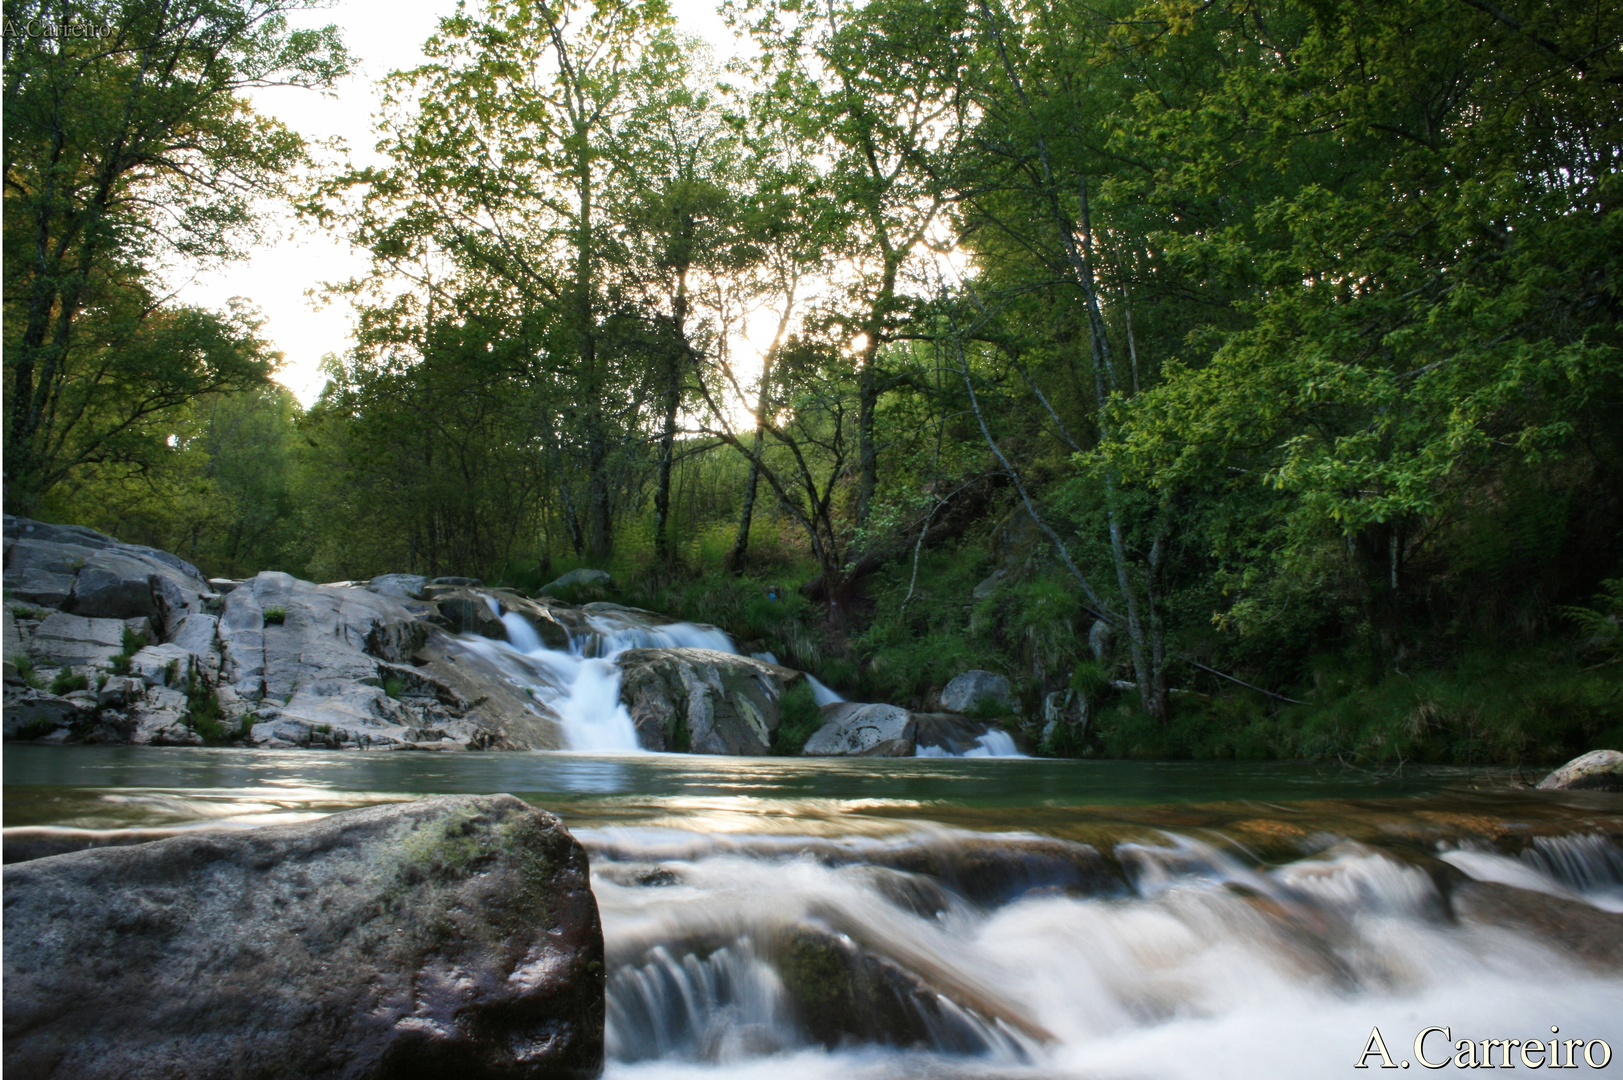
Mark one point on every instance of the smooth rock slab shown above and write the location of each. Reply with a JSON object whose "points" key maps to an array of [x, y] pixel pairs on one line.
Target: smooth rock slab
{"points": [[852, 728], [455, 936], [968, 690], [1598, 770]]}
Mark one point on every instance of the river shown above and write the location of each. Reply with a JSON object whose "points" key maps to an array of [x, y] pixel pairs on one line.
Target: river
{"points": [[959, 918]]}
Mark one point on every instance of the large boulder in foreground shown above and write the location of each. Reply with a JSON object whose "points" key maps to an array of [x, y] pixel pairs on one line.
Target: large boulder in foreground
{"points": [[454, 936], [701, 700], [1598, 770]]}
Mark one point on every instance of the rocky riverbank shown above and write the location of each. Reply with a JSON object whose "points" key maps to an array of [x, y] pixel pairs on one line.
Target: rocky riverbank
{"points": [[107, 642]]}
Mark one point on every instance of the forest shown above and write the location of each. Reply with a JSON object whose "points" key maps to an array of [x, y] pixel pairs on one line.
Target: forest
{"points": [[1244, 374]]}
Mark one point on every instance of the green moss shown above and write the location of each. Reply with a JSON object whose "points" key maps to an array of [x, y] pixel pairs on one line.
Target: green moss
{"points": [[394, 687]]}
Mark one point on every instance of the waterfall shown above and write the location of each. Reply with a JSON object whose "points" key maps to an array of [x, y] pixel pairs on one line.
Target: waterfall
{"points": [[859, 959]]}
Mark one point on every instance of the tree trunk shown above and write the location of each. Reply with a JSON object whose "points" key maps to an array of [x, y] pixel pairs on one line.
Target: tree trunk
{"points": [[675, 363]]}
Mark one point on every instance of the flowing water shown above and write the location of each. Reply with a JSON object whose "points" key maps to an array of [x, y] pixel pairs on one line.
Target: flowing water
{"points": [[994, 917], [581, 684]]}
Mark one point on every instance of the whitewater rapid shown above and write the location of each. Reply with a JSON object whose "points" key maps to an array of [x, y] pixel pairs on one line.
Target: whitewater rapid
{"points": [[1190, 964], [581, 683]]}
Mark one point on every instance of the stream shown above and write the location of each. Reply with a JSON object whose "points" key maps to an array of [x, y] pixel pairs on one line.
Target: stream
{"points": [[1002, 917]]}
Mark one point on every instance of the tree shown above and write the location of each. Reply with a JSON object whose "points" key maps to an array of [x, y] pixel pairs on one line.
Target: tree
{"points": [[126, 149]]}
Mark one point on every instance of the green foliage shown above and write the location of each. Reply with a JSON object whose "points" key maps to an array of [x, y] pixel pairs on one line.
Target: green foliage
{"points": [[394, 687], [1295, 324], [275, 615], [67, 681], [118, 161], [25, 670], [799, 719], [1602, 625]]}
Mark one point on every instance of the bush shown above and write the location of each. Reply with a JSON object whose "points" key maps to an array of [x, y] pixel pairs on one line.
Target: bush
{"points": [[25, 670], [275, 616], [66, 682], [798, 719]]}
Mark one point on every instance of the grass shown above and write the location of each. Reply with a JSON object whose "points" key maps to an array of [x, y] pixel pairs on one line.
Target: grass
{"points": [[132, 644], [1491, 706], [203, 711], [67, 681], [25, 670], [798, 719], [275, 616]]}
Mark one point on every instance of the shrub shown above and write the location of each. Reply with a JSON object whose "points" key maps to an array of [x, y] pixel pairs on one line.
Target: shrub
{"points": [[798, 719], [275, 616], [66, 682], [25, 669]]}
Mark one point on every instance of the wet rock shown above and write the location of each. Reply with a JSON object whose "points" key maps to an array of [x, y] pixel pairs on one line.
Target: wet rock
{"points": [[973, 687], [465, 611], [841, 992], [1588, 934], [541, 617], [996, 871], [455, 936], [575, 579], [1598, 770], [501, 716], [701, 700], [953, 733], [854, 729]]}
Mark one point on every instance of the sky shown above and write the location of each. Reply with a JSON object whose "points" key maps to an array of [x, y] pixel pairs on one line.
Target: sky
{"points": [[280, 275]]}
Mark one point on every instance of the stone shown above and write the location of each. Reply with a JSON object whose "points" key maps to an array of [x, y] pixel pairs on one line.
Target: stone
{"points": [[162, 665], [458, 582], [713, 702], [541, 617], [63, 640], [452, 936], [855, 729], [973, 687], [504, 717], [951, 732], [408, 586], [1598, 770], [1591, 936], [989, 586], [84, 572], [465, 611], [33, 714], [120, 691], [223, 585], [576, 579], [1101, 640]]}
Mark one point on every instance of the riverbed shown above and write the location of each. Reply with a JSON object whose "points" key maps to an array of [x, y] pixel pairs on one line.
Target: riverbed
{"points": [[997, 917]]}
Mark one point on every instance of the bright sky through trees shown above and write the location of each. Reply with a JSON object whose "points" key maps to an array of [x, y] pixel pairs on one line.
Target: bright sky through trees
{"points": [[385, 35]]}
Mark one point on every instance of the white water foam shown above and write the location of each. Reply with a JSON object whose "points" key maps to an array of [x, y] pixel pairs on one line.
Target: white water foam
{"points": [[581, 683], [1207, 967], [995, 743]]}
